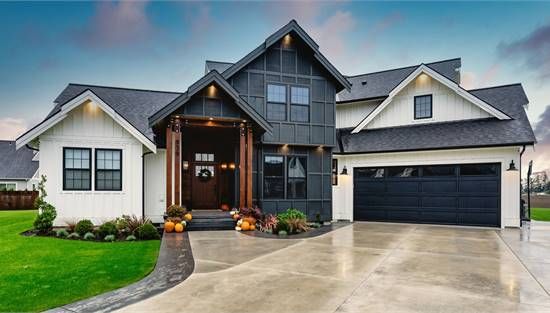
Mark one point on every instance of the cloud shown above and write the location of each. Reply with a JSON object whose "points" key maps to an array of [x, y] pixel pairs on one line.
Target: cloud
{"points": [[11, 128], [199, 21], [470, 80], [116, 24], [541, 155], [533, 50]]}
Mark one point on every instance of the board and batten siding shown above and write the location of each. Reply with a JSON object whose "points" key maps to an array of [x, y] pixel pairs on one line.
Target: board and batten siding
{"points": [[446, 106], [342, 194], [351, 114], [155, 185], [87, 126]]}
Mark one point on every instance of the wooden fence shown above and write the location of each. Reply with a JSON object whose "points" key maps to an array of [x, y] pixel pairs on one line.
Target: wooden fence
{"points": [[17, 200], [538, 201]]}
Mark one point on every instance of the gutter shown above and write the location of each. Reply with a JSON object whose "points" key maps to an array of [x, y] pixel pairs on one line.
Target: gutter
{"points": [[143, 183]]}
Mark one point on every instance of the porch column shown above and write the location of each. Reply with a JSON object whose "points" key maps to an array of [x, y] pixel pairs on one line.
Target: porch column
{"points": [[249, 149], [177, 161], [242, 167], [169, 165]]}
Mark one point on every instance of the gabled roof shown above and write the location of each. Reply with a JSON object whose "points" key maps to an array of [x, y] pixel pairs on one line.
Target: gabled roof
{"points": [[424, 69], [380, 84], [16, 164], [517, 131], [292, 26], [212, 77], [216, 65]]}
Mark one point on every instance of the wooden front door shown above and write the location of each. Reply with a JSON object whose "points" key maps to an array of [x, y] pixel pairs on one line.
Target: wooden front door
{"points": [[204, 192]]}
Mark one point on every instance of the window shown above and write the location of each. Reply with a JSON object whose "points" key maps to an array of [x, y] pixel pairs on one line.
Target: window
{"points": [[478, 169], [402, 171], [274, 177], [77, 169], [108, 172], [299, 104], [7, 187], [439, 170], [370, 172], [334, 172], [276, 102], [422, 107], [296, 178]]}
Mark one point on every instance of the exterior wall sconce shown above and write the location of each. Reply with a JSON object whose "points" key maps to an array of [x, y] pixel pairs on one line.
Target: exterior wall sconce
{"points": [[344, 171], [232, 166], [185, 165], [512, 167], [223, 166]]}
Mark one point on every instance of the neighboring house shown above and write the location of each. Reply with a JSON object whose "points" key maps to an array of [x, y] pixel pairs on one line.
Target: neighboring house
{"points": [[258, 131], [420, 148], [18, 168], [262, 131]]}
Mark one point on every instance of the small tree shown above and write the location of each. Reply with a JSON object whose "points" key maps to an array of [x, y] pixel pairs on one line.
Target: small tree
{"points": [[46, 212]]}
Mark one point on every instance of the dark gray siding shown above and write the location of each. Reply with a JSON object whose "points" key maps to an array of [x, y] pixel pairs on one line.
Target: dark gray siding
{"points": [[211, 105]]}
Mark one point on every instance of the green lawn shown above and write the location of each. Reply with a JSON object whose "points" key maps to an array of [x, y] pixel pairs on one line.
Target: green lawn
{"points": [[37, 273], [540, 214]]}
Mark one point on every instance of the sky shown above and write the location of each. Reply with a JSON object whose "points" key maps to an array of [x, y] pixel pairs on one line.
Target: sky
{"points": [[163, 46]]}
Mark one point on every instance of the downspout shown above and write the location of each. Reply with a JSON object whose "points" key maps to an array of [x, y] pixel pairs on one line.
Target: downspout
{"points": [[143, 183], [520, 206]]}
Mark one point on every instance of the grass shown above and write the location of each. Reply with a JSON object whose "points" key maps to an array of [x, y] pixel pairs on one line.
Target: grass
{"points": [[540, 214], [38, 273]]}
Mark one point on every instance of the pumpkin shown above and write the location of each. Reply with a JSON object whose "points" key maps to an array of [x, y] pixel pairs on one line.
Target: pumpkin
{"points": [[169, 226], [252, 227], [250, 220], [224, 207], [188, 217], [237, 228], [179, 228], [245, 226], [236, 216]]}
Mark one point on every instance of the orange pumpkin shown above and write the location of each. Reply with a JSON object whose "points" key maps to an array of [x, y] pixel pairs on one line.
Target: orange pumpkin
{"points": [[169, 226], [236, 216], [245, 226], [250, 220], [179, 228], [188, 217], [252, 227], [224, 207]]}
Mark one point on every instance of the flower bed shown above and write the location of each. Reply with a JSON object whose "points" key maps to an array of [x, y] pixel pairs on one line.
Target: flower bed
{"points": [[290, 222]]}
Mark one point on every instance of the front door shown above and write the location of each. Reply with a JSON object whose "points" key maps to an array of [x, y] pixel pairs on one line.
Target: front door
{"points": [[204, 182]]}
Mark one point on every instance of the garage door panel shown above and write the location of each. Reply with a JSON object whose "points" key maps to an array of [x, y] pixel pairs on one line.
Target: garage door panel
{"points": [[448, 194]]}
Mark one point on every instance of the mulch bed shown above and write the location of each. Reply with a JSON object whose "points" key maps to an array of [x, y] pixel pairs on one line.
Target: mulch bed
{"points": [[314, 232]]}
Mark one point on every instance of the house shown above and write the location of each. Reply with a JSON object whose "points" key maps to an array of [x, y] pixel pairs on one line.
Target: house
{"points": [[276, 129], [419, 148], [257, 131], [19, 168]]}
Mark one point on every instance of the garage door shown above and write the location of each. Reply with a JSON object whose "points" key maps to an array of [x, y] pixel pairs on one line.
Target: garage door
{"points": [[467, 194]]}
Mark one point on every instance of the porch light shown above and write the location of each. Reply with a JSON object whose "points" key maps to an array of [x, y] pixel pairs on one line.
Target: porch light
{"points": [[512, 167], [185, 165], [211, 118], [232, 166], [344, 171], [223, 166]]}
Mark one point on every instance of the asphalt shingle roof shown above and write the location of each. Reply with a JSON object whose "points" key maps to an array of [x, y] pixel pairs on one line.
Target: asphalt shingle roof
{"points": [[472, 133], [134, 105], [16, 164], [379, 84]]}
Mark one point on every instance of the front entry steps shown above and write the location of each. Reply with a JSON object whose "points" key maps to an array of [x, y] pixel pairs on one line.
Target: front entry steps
{"points": [[211, 220]]}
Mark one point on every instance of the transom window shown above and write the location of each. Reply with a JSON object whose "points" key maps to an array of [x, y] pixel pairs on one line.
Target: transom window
{"points": [[274, 186], [299, 104], [204, 157], [7, 187], [76, 169], [276, 102], [423, 107], [108, 172]]}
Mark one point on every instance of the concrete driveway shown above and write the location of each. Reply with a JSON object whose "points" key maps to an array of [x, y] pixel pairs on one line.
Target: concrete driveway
{"points": [[366, 267]]}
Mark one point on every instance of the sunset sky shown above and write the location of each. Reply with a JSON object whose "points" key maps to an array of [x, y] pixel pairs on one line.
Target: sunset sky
{"points": [[163, 45]]}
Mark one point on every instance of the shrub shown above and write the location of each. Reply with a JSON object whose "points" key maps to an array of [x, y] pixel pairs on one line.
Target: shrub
{"points": [[106, 229], [83, 227], [121, 225], [109, 238], [89, 236], [147, 231], [175, 211], [282, 233], [296, 225], [133, 223], [131, 238], [46, 212], [74, 236], [268, 223], [254, 212], [61, 233], [289, 215], [71, 225]]}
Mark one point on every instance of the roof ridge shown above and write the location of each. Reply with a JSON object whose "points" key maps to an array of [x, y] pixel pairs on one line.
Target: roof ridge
{"points": [[402, 68], [493, 87], [125, 88]]}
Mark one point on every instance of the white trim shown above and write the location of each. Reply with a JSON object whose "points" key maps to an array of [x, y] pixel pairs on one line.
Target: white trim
{"points": [[440, 78], [88, 95]]}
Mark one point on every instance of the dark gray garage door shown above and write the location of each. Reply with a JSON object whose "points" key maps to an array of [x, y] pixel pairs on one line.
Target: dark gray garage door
{"points": [[467, 194]]}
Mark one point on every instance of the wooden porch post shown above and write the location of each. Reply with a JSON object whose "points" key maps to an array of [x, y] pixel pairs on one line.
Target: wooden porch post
{"points": [[249, 148], [177, 162], [169, 165], [242, 167]]}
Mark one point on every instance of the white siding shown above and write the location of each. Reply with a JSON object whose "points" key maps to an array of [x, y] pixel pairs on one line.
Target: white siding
{"points": [[342, 194], [351, 114], [155, 185], [88, 126], [446, 105], [20, 185]]}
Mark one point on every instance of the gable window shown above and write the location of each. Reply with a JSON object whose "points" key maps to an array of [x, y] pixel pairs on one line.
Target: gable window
{"points": [[422, 107], [276, 102], [274, 177], [299, 104], [7, 187], [77, 169], [296, 178], [108, 170]]}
